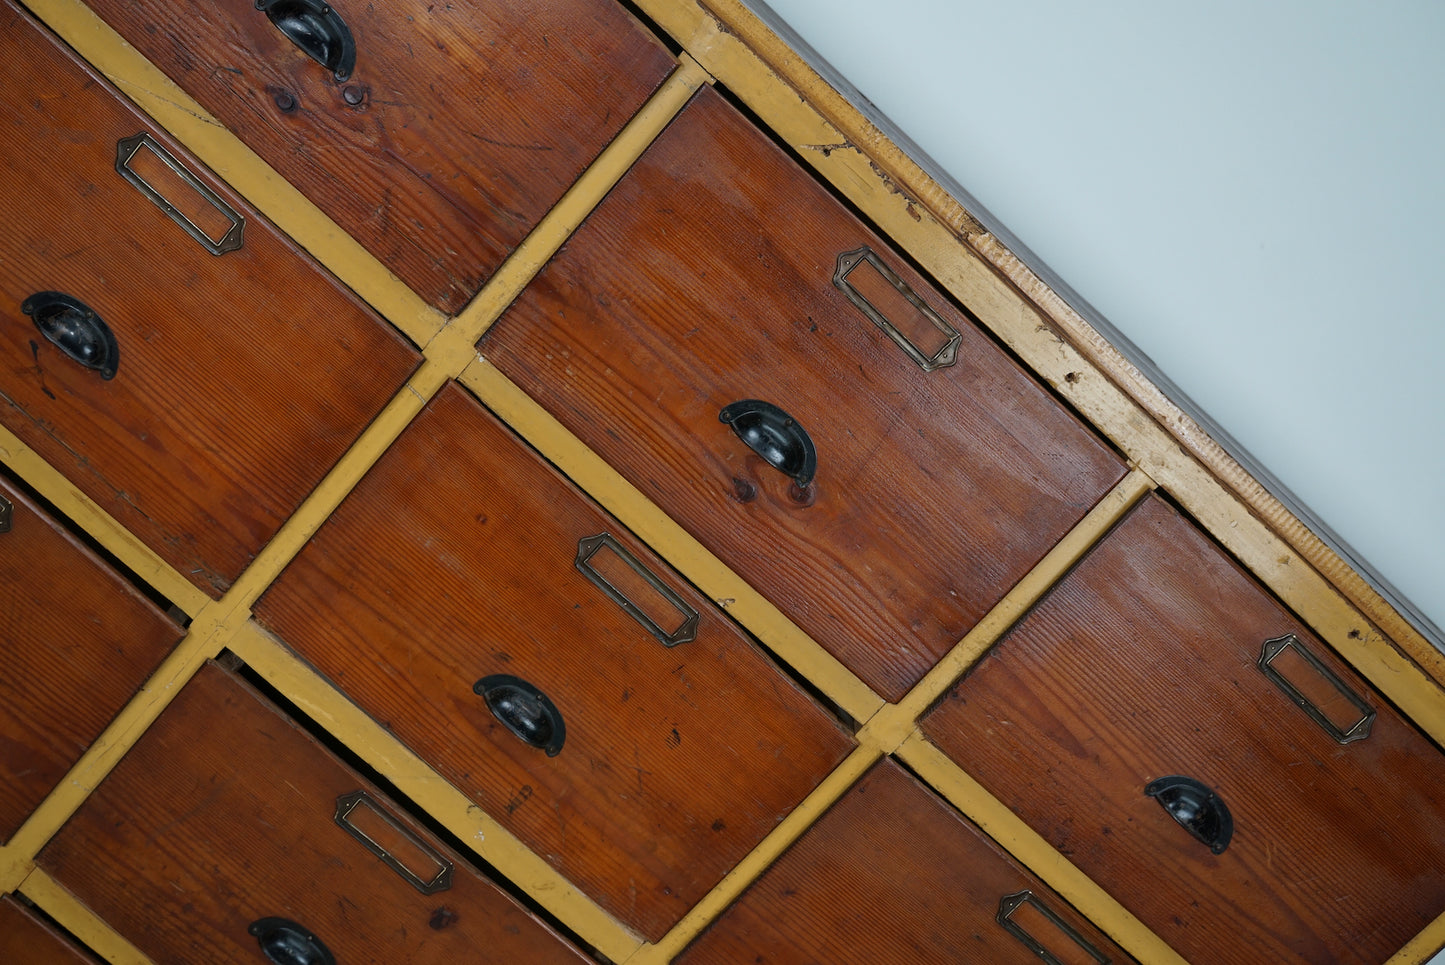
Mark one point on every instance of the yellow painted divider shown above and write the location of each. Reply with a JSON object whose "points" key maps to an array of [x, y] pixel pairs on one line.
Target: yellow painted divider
{"points": [[389, 757], [117, 540], [892, 724], [216, 621], [72, 915], [640, 515], [1021, 841], [1422, 947], [207, 636], [792, 827]]}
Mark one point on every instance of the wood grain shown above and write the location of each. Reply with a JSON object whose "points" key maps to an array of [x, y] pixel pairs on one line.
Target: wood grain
{"points": [[223, 814], [242, 378], [472, 119], [891, 875], [27, 940], [78, 642], [705, 278], [1141, 664], [453, 560]]}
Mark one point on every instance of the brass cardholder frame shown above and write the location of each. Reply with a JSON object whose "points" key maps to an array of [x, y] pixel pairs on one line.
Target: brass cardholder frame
{"points": [[125, 151]]}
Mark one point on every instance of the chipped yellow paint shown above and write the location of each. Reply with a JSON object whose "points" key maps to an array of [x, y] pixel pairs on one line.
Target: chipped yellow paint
{"points": [[1021, 841], [848, 150], [251, 177], [824, 796], [430, 791], [80, 921], [687, 555], [1422, 947], [81, 510], [207, 636]]}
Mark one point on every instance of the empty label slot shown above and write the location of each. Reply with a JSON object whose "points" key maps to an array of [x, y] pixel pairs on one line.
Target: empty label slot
{"points": [[1316, 689], [391, 842], [1048, 936]]}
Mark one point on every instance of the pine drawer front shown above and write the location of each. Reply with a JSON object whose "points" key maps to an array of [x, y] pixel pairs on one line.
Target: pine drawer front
{"points": [[238, 378], [893, 874], [26, 940], [457, 128], [707, 279], [1144, 664], [78, 641], [227, 826], [456, 562]]}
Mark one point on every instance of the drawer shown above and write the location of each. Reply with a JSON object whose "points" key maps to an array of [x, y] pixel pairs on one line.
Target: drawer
{"points": [[462, 557], [707, 278], [27, 940], [893, 874], [458, 127], [226, 826], [240, 378], [78, 642], [1159, 658]]}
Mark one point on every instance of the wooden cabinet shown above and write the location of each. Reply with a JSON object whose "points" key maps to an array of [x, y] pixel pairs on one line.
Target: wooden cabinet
{"points": [[892, 873], [1312, 829], [668, 745], [79, 641], [718, 274], [441, 139], [764, 565], [272, 841], [25, 939], [179, 431]]}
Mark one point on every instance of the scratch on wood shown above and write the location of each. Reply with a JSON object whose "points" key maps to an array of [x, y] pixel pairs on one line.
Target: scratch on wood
{"points": [[148, 93]]}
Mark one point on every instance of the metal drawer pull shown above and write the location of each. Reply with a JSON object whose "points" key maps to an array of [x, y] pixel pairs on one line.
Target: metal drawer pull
{"points": [[385, 837], [317, 30], [287, 943], [1316, 689], [1041, 914], [143, 162], [7, 512], [867, 289], [1196, 808], [73, 327], [524, 710], [776, 436], [601, 569]]}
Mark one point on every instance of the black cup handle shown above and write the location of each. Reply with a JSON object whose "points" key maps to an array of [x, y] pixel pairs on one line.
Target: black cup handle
{"points": [[287, 943], [76, 329], [524, 710], [776, 436], [1196, 808], [317, 30]]}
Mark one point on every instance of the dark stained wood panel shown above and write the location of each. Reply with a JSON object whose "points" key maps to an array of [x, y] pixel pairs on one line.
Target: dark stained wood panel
{"points": [[705, 278], [892, 875], [472, 118], [224, 814], [78, 641], [1141, 664], [454, 559], [27, 940], [242, 377]]}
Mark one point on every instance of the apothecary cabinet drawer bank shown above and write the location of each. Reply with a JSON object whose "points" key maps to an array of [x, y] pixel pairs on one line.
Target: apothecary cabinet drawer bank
{"points": [[524, 482]]}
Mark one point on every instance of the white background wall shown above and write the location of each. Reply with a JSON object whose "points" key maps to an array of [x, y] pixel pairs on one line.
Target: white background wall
{"points": [[1252, 192]]}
